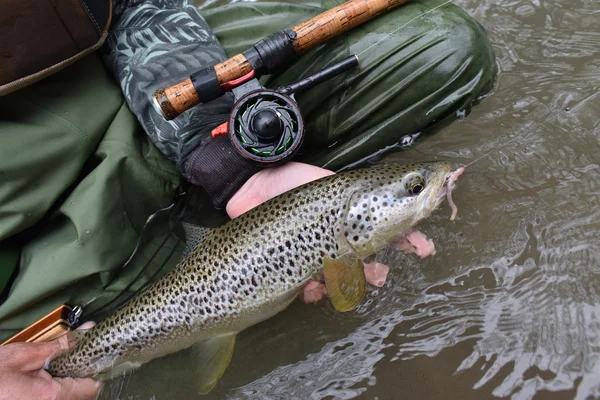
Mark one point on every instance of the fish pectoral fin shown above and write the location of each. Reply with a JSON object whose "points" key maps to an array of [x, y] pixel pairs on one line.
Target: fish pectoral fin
{"points": [[213, 357], [194, 235], [345, 282]]}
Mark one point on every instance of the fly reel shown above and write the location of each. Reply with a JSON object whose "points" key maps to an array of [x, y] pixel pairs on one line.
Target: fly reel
{"points": [[266, 125]]}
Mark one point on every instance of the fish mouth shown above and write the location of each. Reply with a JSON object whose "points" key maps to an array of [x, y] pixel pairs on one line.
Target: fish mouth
{"points": [[449, 185]]}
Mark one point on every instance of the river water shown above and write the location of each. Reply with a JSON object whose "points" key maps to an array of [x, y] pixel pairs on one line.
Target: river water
{"points": [[509, 307]]}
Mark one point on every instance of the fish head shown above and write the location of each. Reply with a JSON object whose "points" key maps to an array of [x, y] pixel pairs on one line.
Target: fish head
{"points": [[393, 199]]}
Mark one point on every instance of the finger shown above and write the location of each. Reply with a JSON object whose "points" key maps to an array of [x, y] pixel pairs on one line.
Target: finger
{"points": [[290, 176], [86, 325], [32, 356], [77, 389], [69, 339], [271, 182], [418, 243], [376, 273], [313, 292], [242, 202]]}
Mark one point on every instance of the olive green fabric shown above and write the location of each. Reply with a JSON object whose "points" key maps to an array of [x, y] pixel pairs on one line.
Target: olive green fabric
{"points": [[79, 179], [10, 254], [419, 65]]}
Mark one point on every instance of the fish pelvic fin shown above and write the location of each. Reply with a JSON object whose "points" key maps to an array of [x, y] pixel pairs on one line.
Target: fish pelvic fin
{"points": [[213, 355], [345, 282]]}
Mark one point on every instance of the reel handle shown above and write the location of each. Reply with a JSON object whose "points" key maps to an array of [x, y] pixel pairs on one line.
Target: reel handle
{"points": [[318, 77]]}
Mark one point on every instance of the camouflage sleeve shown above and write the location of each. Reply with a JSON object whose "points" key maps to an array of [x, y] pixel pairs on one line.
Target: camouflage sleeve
{"points": [[156, 43]]}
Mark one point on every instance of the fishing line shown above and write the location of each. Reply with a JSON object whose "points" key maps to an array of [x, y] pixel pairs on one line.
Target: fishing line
{"points": [[511, 140], [149, 220], [402, 26], [133, 281], [149, 281]]}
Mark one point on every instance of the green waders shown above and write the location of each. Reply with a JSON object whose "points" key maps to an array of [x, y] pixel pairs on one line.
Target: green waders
{"points": [[79, 177]]}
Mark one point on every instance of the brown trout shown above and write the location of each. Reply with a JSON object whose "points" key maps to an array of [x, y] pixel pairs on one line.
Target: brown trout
{"points": [[251, 268]]}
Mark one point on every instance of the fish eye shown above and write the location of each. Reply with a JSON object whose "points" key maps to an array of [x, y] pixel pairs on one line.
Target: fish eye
{"points": [[415, 185], [415, 188]]}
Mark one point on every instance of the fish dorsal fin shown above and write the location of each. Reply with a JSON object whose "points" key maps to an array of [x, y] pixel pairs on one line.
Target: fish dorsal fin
{"points": [[213, 357], [345, 282], [194, 235]]}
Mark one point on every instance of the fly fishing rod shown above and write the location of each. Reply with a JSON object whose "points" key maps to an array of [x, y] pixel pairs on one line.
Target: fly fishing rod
{"points": [[267, 55], [266, 126]]}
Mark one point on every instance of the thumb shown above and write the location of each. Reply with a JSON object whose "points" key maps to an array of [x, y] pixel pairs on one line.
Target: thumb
{"points": [[77, 389], [32, 356]]}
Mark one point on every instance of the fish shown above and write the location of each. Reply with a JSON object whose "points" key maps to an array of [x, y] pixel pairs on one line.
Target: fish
{"points": [[254, 266]]}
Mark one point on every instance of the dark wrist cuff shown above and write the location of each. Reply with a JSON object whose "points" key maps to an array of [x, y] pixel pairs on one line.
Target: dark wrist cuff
{"points": [[219, 169]]}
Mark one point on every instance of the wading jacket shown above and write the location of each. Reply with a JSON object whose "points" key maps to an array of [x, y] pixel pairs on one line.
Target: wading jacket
{"points": [[146, 44]]}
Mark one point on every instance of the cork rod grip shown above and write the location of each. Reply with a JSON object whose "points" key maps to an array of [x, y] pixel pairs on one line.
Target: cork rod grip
{"points": [[338, 20], [176, 99]]}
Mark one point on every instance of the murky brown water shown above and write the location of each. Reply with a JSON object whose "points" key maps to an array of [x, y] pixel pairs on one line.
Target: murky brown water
{"points": [[510, 305]]}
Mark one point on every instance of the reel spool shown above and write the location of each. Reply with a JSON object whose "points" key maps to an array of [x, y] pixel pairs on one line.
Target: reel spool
{"points": [[266, 127]]}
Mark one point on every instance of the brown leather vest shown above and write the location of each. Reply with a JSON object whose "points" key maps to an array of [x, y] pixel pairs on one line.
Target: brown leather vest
{"points": [[41, 37]]}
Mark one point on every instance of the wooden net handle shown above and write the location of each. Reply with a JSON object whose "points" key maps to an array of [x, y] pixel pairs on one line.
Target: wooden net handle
{"points": [[178, 98]]}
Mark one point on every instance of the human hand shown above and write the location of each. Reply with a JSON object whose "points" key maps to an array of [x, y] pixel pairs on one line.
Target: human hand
{"points": [[271, 182], [22, 374]]}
